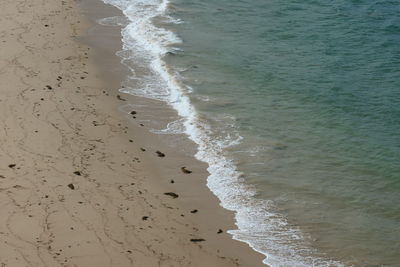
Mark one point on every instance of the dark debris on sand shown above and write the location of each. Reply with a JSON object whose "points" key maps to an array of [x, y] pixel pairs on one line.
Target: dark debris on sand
{"points": [[71, 186], [197, 240], [171, 194], [184, 170], [120, 98], [160, 154]]}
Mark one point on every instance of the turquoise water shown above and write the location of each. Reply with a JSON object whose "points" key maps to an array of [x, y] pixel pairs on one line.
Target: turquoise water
{"points": [[302, 101], [315, 90]]}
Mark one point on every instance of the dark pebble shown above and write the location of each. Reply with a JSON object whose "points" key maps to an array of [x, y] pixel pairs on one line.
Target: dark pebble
{"points": [[171, 194], [197, 240], [71, 186], [184, 170], [120, 98], [160, 154]]}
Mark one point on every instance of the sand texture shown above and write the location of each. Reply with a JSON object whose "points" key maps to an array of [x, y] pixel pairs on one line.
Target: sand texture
{"points": [[75, 185]]}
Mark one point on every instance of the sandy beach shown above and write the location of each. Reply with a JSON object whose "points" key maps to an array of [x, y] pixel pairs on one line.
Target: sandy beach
{"points": [[81, 182]]}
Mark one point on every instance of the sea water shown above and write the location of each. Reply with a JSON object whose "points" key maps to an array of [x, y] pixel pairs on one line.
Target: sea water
{"points": [[295, 106]]}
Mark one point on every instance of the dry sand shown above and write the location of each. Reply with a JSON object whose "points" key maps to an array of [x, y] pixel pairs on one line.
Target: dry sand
{"points": [[76, 189]]}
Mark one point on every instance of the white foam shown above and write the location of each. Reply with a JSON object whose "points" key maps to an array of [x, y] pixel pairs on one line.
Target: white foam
{"points": [[258, 225], [113, 21], [174, 127]]}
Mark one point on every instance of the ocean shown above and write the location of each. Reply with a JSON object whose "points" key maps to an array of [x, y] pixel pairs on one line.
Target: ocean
{"points": [[294, 105]]}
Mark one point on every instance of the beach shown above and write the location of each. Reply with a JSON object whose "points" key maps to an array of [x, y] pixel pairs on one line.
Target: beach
{"points": [[82, 181]]}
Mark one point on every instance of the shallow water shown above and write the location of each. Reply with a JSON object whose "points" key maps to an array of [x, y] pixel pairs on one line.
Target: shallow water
{"points": [[295, 106]]}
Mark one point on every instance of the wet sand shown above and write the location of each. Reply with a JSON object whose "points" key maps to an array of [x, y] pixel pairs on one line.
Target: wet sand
{"points": [[81, 181]]}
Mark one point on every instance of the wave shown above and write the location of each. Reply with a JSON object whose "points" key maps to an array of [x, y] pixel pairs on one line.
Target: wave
{"points": [[258, 225]]}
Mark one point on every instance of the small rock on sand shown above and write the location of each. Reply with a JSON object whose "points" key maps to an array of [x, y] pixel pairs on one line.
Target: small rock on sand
{"points": [[184, 170], [120, 98], [160, 154], [197, 240], [71, 186], [172, 194]]}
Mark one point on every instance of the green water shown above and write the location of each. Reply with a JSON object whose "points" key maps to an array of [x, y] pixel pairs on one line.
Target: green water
{"points": [[313, 87]]}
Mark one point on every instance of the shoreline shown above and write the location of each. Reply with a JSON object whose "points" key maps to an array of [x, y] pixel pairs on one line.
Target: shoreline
{"points": [[82, 192], [194, 193]]}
